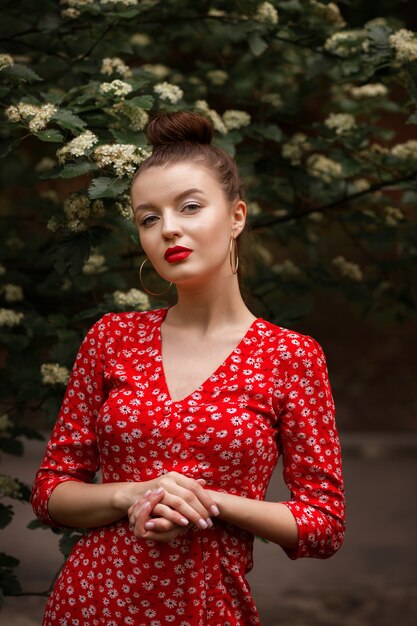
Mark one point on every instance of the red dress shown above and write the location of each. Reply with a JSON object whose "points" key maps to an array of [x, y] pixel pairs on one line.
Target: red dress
{"points": [[270, 396]]}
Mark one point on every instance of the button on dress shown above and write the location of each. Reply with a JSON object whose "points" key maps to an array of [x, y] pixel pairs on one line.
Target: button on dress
{"points": [[270, 397]]}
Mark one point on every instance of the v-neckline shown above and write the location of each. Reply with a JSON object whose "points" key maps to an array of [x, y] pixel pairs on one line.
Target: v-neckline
{"points": [[218, 368]]}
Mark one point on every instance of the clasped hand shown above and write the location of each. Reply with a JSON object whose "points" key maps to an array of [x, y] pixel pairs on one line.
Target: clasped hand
{"points": [[167, 510]]}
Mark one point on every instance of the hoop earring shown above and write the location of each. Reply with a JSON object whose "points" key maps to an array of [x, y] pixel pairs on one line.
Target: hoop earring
{"points": [[151, 293], [234, 256]]}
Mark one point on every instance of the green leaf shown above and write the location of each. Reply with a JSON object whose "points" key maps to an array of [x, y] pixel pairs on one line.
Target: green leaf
{"points": [[7, 146], [144, 102], [8, 581], [66, 119], [23, 73], [104, 187], [6, 514], [68, 541], [36, 523], [50, 134], [72, 170], [11, 446], [270, 131], [257, 45]]}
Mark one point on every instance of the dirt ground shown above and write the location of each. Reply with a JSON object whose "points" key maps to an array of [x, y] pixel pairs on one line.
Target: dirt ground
{"points": [[370, 581]]}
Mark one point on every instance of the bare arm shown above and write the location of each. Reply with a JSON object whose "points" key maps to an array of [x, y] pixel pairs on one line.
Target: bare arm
{"points": [[271, 520]]}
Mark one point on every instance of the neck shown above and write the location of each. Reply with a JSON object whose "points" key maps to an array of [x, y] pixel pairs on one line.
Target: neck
{"points": [[210, 306]]}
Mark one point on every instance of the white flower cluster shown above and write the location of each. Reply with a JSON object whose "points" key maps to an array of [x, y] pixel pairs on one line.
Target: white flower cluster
{"points": [[54, 374], [274, 99], [370, 90], [118, 88], [393, 215], [168, 91], [218, 124], [266, 13], [141, 40], [234, 119], [9, 487], [77, 3], [407, 150], [132, 298], [157, 69], [36, 115], [96, 264], [77, 147], [404, 42], [5, 423], [287, 269], [123, 206], [6, 60], [137, 117], [125, 3], [115, 65], [124, 158], [8, 317], [348, 269], [361, 184], [295, 148], [78, 209], [12, 293], [320, 166], [254, 208], [2, 269], [217, 77], [341, 123], [347, 43], [329, 12]]}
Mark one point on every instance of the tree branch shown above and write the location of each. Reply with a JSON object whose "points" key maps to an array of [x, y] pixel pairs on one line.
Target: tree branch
{"points": [[263, 222]]}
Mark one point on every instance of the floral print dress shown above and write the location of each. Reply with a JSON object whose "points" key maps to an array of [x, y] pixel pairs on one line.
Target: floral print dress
{"points": [[270, 397]]}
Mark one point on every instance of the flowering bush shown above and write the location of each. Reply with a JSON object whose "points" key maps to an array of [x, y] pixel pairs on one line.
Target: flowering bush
{"points": [[303, 98]]}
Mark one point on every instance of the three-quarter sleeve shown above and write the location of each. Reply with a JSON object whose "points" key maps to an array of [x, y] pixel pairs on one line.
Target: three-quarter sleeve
{"points": [[310, 449], [72, 453]]}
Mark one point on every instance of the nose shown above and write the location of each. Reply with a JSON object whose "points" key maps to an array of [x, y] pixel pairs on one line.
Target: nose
{"points": [[170, 226]]}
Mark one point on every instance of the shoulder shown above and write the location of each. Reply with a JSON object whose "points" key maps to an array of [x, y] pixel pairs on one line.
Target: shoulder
{"points": [[290, 345], [112, 326]]}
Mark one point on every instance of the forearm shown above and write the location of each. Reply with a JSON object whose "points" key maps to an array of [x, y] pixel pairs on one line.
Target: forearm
{"points": [[86, 505], [270, 520]]}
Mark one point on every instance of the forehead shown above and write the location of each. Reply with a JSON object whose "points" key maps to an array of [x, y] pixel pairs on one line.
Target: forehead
{"points": [[173, 179]]}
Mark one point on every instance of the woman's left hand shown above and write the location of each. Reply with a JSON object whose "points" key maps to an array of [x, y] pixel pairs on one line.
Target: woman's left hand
{"points": [[146, 525]]}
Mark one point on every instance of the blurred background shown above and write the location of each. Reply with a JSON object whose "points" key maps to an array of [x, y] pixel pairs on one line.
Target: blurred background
{"points": [[317, 103]]}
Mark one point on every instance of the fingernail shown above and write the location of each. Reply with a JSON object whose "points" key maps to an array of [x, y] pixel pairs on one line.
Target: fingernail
{"points": [[146, 505], [147, 493], [209, 523], [159, 490], [214, 509], [149, 525], [184, 521], [202, 523]]}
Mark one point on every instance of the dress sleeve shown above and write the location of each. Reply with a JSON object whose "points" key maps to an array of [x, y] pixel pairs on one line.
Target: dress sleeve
{"points": [[72, 453], [310, 448]]}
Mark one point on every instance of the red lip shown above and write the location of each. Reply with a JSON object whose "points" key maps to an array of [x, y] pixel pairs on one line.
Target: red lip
{"points": [[177, 250]]}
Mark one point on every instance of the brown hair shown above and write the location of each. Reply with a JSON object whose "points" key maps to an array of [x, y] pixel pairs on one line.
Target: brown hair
{"points": [[184, 136]]}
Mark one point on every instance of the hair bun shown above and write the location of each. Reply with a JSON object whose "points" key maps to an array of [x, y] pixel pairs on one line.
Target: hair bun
{"points": [[166, 128]]}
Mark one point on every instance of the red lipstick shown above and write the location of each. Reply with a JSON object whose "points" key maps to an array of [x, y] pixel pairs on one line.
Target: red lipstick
{"points": [[177, 253]]}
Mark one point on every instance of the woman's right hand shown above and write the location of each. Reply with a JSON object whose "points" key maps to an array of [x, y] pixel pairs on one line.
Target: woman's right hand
{"points": [[185, 498]]}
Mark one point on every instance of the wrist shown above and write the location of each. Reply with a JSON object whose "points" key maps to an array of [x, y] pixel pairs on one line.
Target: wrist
{"points": [[127, 494]]}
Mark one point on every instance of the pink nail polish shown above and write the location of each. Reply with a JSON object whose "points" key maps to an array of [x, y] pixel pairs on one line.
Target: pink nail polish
{"points": [[184, 521], [209, 523], [214, 509], [159, 491], [149, 525], [202, 523], [147, 493]]}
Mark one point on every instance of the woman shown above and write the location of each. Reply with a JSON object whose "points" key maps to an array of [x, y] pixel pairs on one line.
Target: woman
{"points": [[186, 410]]}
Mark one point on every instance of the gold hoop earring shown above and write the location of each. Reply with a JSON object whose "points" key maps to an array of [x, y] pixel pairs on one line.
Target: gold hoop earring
{"points": [[151, 293], [234, 256]]}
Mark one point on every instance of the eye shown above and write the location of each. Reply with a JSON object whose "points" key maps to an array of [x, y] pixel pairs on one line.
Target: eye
{"points": [[148, 220], [191, 207]]}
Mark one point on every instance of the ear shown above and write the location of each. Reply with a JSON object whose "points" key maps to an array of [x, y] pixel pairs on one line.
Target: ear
{"points": [[238, 217]]}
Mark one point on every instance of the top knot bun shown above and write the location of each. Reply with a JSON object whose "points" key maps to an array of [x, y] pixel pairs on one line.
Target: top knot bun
{"points": [[167, 128]]}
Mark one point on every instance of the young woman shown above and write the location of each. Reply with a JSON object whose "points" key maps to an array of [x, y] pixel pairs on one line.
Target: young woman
{"points": [[186, 410]]}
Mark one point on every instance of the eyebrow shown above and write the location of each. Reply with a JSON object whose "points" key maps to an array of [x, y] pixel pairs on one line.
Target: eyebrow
{"points": [[149, 205]]}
